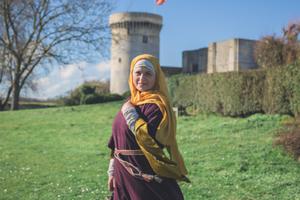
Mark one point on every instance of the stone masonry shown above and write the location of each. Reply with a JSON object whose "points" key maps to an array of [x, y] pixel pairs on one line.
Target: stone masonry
{"points": [[194, 61], [231, 55], [133, 33]]}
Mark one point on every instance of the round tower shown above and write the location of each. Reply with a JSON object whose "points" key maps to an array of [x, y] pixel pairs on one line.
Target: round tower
{"points": [[133, 33]]}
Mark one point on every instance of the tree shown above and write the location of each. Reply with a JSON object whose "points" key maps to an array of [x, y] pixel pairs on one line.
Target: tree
{"points": [[272, 51], [269, 52], [34, 33], [292, 45], [4, 78]]}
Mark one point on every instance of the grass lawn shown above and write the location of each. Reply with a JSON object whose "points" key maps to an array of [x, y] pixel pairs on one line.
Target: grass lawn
{"points": [[61, 153]]}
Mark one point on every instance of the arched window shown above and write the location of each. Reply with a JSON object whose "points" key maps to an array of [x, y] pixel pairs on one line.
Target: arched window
{"points": [[145, 39]]}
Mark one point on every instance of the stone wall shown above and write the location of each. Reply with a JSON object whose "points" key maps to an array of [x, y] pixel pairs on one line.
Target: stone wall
{"points": [[133, 34], [194, 61], [169, 71], [246, 54], [231, 55]]}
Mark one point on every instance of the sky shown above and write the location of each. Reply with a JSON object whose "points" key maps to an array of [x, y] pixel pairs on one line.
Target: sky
{"points": [[187, 25]]}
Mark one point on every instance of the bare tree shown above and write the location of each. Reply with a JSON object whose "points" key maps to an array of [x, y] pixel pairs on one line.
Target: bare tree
{"points": [[272, 51], [5, 78], [34, 33], [292, 45]]}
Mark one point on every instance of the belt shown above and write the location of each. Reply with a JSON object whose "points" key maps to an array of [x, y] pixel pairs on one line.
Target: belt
{"points": [[133, 170]]}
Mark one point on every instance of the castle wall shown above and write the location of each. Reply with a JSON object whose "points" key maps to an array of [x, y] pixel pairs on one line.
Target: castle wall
{"points": [[246, 54], [222, 56], [231, 55], [194, 61], [132, 34], [170, 70]]}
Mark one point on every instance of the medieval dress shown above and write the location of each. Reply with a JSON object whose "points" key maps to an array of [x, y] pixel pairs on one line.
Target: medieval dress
{"points": [[128, 187]]}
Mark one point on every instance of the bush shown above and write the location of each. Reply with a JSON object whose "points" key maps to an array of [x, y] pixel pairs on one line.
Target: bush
{"points": [[276, 93], [232, 93], [86, 89], [274, 90], [290, 138], [268, 52], [89, 93], [273, 51], [126, 94]]}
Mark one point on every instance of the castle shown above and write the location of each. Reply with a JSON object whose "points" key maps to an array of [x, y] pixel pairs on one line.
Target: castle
{"points": [[135, 33]]}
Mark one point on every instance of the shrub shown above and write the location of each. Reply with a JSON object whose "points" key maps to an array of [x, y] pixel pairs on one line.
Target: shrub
{"points": [[86, 89], [290, 138], [89, 93], [231, 93], [273, 51], [274, 91], [268, 52], [126, 94]]}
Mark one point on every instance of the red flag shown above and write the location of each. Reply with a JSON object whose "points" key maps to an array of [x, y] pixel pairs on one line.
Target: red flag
{"points": [[160, 2]]}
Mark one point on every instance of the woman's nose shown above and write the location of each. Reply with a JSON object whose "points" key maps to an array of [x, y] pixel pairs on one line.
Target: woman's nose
{"points": [[142, 77]]}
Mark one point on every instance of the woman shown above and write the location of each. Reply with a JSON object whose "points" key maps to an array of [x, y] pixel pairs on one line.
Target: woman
{"points": [[145, 126]]}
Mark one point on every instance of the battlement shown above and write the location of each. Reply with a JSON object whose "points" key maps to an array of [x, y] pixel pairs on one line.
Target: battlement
{"points": [[133, 19]]}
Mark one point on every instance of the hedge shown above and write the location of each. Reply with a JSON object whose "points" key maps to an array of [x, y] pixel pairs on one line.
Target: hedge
{"points": [[272, 91]]}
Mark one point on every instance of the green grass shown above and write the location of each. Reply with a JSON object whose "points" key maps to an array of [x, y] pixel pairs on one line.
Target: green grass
{"points": [[61, 153]]}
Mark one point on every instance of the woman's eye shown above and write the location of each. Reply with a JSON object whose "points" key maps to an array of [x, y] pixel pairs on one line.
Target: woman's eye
{"points": [[148, 74], [138, 73]]}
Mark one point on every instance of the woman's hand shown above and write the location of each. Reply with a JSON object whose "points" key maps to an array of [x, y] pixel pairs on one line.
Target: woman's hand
{"points": [[111, 183], [126, 106]]}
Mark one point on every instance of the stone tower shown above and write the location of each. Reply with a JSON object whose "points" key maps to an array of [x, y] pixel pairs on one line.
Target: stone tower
{"points": [[133, 33]]}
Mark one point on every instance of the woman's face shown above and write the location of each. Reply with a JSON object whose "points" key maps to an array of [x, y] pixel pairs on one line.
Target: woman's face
{"points": [[143, 78]]}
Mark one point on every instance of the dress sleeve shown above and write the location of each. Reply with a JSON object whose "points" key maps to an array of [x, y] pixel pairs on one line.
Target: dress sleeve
{"points": [[111, 143]]}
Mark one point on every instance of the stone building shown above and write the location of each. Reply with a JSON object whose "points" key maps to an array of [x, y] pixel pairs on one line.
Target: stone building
{"points": [[169, 71], [133, 33], [194, 61], [231, 55]]}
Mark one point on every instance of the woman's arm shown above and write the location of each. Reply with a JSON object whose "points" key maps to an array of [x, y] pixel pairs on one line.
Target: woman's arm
{"points": [[110, 173]]}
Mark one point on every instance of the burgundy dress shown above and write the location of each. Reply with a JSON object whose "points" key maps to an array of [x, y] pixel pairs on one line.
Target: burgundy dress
{"points": [[127, 186]]}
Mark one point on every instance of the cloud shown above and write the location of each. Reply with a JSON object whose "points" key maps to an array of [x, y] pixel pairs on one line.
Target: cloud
{"points": [[67, 72], [65, 78], [104, 70], [45, 81]]}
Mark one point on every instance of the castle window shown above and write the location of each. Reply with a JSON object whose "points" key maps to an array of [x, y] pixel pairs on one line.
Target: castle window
{"points": [[120, 60], [145, 39], [195, 68]]}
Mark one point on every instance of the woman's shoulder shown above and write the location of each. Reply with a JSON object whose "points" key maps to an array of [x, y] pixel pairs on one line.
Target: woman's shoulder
{"points": [[150, 109], [150, 106]]}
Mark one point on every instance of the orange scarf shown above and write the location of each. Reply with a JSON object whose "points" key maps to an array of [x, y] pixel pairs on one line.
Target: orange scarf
{"points": [[172, 167]]}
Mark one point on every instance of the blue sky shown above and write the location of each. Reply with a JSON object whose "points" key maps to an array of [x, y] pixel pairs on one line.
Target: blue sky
{"points": [[192, 24], [187, 25]]}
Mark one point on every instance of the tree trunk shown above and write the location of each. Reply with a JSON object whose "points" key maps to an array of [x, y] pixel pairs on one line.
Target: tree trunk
{"points": [[1, 106], [15, 97]]}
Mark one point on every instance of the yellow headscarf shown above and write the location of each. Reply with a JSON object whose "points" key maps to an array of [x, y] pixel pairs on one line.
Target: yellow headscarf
{"points": [[173, 166]]}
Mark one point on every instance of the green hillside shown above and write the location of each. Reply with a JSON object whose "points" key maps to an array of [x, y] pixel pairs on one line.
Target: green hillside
{"points": [[61, 153]]}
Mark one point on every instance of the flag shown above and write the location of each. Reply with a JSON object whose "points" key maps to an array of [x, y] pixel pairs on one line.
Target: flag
{"points": [[160, 2]]}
